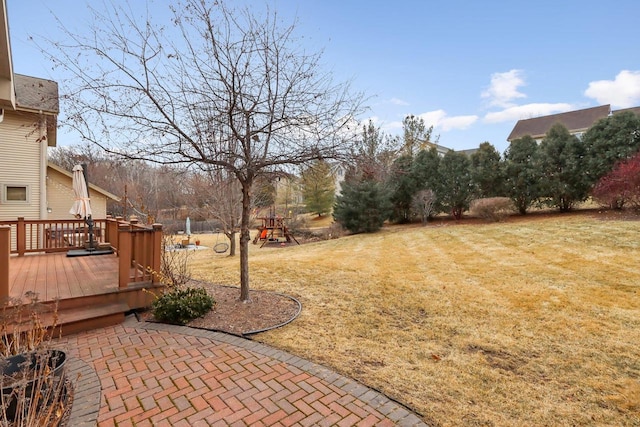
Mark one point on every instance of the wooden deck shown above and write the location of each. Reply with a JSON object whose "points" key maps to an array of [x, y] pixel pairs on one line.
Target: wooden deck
{"points": [[85, 289], [56, 276], [83, 292]]}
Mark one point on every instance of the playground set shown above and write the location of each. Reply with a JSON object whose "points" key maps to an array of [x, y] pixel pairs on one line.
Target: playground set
{"points": [[274, 230]]}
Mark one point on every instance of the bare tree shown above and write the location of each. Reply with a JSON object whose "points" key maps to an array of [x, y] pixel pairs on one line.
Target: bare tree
{"points": [[145, 189], [215, 87], [423, 203], [219, 196]]}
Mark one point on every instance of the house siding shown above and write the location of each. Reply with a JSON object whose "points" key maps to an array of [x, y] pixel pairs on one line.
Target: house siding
{"points": [[60, 197], [21, 157]]}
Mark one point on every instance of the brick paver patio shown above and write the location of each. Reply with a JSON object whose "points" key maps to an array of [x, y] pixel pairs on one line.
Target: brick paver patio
{"points": [[146, 374]]}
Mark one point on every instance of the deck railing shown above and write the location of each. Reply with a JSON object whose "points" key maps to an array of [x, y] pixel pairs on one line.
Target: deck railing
{"points": [[47, 236], [139, 249], [137, 246]]}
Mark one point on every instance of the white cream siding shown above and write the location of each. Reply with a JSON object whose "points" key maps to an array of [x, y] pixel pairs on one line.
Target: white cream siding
{"points": [[22, 154], [60, 197]]}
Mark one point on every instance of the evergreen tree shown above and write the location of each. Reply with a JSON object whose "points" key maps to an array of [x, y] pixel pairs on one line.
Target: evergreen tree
{"points": [[609, 141], [562, 167], [455, 173], [402, 182], [373, 155], [264, 192], [362, 206], [522, 177], [403, 187], [487, 172], [416, 135], [318, 187], [426, 175]]}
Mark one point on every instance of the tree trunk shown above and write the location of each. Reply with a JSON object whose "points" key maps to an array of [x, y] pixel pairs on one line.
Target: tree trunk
{"points": [[231, 236], [244, 241], [232, 244]]}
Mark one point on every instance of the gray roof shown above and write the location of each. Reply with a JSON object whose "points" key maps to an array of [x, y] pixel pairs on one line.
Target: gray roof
{"points": [[574, 121], [36, 94]]}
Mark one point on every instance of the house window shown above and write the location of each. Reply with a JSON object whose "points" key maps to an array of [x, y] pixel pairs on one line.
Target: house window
{"points": [[15, 193]]}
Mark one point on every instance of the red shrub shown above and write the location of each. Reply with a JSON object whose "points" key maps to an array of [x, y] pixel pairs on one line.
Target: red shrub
{"points": [[621, 186]]}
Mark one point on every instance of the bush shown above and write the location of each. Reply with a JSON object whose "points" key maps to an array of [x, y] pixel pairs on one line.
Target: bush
{"points": [[35, 387], [423, 204], [492, 208], [174, 265], [180, 305], [297, 225], [621, 186]]}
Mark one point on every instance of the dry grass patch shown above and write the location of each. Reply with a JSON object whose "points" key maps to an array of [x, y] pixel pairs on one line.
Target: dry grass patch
{"points": [[533, 322]]}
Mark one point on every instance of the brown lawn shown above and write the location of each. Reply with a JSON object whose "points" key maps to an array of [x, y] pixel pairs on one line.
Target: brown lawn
{"points": [[535, 321]]}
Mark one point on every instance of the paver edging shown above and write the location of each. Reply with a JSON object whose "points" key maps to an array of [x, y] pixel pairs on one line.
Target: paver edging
{"points": [[87, 393]]}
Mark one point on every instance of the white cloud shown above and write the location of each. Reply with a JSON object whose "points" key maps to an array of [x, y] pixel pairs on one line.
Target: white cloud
{"points": [[391, 127], [504, 88], [623, 92], [439, 119], [397, 101], [458, 122], [527, 111], [433, 118]]}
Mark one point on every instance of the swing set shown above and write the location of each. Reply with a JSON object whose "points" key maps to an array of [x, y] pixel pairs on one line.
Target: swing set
{"points": [[274, 230]]}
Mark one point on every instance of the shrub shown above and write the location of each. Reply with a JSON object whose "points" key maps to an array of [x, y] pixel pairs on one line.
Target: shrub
{"points": [[35, 387], [621, 186], [492, 208], [174, 265], [297, 225], [180, 305], [423, 204]]}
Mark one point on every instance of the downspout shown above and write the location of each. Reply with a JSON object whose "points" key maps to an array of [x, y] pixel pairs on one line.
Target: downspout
{"points": [[43, 166]]}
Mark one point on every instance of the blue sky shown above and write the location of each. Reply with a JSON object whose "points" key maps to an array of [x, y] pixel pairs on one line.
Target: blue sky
{"points": [[471, 69]]}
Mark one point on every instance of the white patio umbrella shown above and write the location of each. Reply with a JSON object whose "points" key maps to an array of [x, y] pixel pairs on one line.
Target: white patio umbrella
{"points": [[188, 227], [81, 207]]}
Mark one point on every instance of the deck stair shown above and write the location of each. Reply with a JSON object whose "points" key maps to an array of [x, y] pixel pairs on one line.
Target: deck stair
{"points": [[86, 312], [72, 320]]}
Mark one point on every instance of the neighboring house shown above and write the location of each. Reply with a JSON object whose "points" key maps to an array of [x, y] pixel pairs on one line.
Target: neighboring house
{"points": [[635, 110], [60, 195], [440, 149], [577, 122]]}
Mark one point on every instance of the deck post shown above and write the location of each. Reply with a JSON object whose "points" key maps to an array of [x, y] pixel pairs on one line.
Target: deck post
{"points": [[124, 255], [21, 236], [5, 251], [156, 251], [111, 232]]}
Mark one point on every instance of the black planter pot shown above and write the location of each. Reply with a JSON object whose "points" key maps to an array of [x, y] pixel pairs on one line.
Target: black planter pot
{"points": [[22, 374]]}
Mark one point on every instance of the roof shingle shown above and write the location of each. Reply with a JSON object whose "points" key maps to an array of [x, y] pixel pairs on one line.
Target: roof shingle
{"points": [[33, 93], [574, 121]]}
